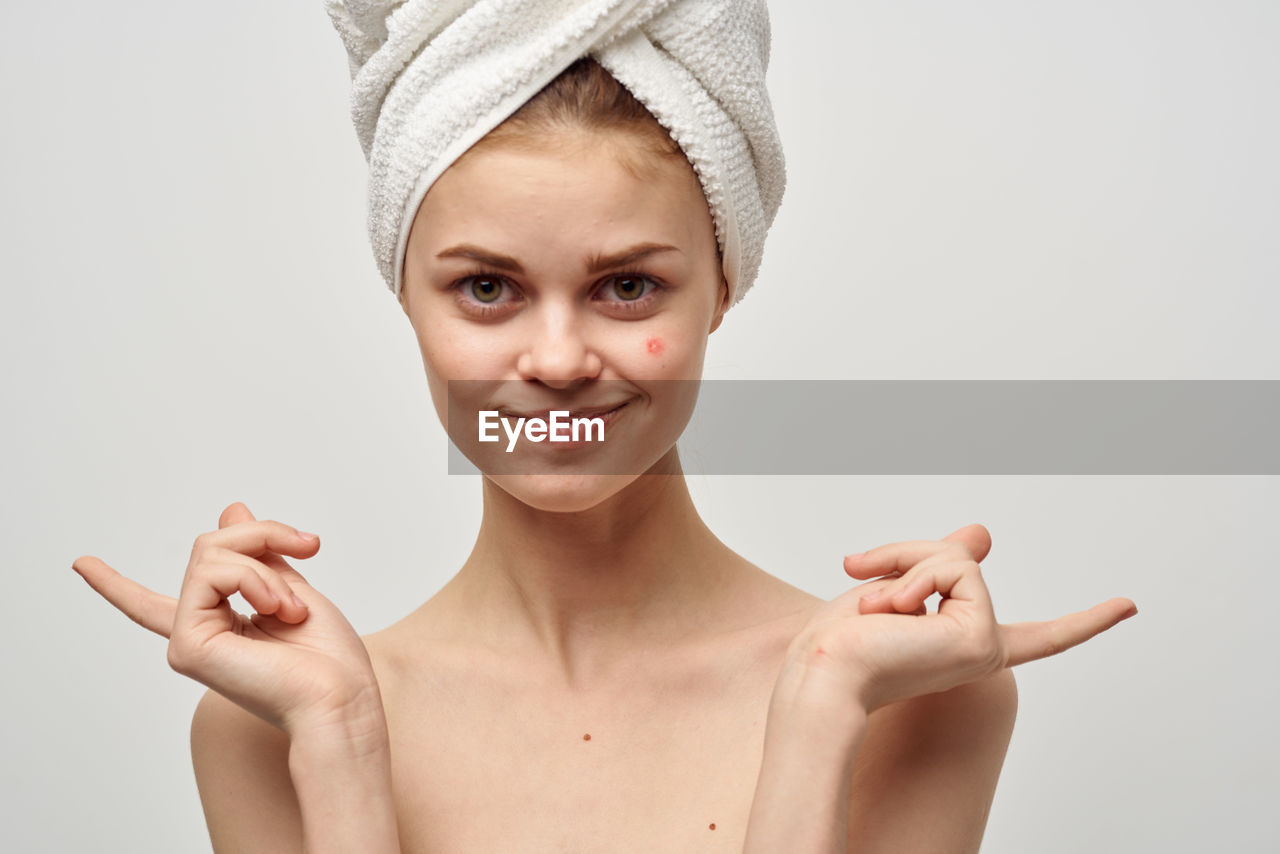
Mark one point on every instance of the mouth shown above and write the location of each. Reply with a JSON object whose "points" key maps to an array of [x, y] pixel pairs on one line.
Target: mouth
{"points": [[606, 412]]}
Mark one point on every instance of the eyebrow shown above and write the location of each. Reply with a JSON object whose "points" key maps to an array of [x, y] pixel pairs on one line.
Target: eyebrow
{"points": [[596, 262]]}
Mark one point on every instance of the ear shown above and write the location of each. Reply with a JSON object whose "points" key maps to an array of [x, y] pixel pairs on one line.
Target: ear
{"points": [[723, 306]]}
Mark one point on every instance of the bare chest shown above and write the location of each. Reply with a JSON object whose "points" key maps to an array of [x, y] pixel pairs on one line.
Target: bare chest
{"points": [[481, 765]]}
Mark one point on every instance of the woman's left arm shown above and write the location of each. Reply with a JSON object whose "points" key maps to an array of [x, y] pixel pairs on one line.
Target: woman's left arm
{"points": [[812, 740], [926, 781], [917, 775], [889, 725]]}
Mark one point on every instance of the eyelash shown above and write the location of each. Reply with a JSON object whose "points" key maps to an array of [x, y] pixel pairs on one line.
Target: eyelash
{"points": [[485, 310]]}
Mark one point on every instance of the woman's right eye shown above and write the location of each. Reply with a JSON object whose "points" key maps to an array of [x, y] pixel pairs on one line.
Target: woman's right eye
{"points": [[486, 290], [481, 293]]}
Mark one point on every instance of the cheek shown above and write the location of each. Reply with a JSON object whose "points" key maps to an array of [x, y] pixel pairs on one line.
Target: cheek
{"points": [[456, 351], [672, 351]]}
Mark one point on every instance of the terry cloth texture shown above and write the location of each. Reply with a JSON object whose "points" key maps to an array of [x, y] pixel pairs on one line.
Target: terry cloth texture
{"points": [[431, 77]]}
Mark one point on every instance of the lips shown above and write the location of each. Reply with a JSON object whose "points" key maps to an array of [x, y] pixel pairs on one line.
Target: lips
{"points": [[585, 412]]}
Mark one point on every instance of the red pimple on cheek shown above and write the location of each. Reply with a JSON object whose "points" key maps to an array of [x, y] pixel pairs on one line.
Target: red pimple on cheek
{"points": [[654, 345]]}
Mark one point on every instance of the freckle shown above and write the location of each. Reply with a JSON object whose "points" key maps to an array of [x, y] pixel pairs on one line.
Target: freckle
{"points": [[713, 825], [586, 737], [654, 345]]}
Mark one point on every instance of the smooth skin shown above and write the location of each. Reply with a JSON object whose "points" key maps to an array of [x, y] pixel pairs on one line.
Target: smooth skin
{"points": [[919, 762], [591, 606], [961, 642], [296, 659], [282, 679], [943, 676]]}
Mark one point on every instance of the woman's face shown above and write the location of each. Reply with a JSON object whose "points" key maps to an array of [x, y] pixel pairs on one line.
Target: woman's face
{"points": [[558, 279]]}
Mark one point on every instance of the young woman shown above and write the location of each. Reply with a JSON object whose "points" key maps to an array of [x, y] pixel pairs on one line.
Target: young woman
{"points": [[602, 673]]}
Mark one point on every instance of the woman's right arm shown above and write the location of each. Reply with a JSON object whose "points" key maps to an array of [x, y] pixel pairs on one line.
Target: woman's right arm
{"points": [[290, 746], [328, 789]]}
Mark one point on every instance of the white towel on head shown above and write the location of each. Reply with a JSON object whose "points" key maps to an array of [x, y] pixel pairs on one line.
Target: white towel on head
{"points": [[431, 77]]}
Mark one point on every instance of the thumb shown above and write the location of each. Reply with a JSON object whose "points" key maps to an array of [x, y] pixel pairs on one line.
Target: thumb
{"points": [[976, 538]]}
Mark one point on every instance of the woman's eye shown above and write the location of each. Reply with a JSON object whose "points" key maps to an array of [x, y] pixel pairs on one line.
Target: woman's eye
{"points": [[486, 290], [629, 288], [480, 294]]}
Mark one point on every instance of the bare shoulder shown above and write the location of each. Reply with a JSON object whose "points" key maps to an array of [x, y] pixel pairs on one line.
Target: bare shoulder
{"points": [[765, 594], [938, 755], [394, 651], [973, 718], [241, 766]]}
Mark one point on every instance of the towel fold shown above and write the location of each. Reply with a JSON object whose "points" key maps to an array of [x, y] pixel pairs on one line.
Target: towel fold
{"points": [[431, 77]]}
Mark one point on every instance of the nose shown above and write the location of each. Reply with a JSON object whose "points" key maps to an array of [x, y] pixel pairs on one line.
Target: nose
{"points": [[558, 353]]}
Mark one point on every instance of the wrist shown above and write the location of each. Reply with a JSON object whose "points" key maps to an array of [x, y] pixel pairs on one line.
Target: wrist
{"points": [[352, 748], [360, 721], [341, 772], [813, 700], [811, 742], [810, 678]]}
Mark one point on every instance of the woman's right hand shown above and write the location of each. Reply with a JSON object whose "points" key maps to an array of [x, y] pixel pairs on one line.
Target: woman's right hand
{"points": [[297, 663]]}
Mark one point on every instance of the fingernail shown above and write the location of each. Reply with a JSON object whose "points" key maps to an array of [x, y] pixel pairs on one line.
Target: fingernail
{"points": [[875, 594], [306, 536], [854, 558], [298, 601]]}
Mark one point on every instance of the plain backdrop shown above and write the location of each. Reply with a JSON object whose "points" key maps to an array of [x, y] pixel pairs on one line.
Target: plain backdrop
{"points": [[989, 190]]}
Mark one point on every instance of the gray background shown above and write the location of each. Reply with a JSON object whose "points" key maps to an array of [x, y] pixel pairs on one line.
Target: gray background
{"points": [[996, 190]]}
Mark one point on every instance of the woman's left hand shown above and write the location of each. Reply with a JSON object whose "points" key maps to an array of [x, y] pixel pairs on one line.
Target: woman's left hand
{"points": [[877, 644]]}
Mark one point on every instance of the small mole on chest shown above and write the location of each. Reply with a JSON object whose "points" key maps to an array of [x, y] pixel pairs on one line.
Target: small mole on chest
{"points": [[586, 737], [713, 825]]}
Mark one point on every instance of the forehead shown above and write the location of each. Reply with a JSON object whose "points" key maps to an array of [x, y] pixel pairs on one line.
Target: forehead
{"points": [[570, 187]]}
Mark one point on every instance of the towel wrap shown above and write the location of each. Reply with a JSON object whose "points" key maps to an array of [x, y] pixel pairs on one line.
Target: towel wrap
{"points": [[431, 77]]}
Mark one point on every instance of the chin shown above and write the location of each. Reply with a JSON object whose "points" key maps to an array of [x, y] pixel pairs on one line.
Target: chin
{"points": [[562, 493]]}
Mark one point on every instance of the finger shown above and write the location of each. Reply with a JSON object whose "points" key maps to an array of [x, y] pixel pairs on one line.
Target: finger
{"points": [[959, 582], [1034, 640], [905, 596], [975, 537], [871, 589], [257, 537], [202, 610], [290, 608], [900, 557], [237, 512], [914, 591], [151, 610]]}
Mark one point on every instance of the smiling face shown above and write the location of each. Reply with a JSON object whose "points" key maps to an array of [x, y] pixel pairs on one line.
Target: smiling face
{"points": [[573, 274]]}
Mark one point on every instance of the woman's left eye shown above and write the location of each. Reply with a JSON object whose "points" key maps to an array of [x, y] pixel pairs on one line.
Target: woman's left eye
{"points": [[631, 289]]}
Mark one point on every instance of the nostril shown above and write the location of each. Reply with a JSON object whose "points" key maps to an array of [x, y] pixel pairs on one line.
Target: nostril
{"points": [[559, 368]]}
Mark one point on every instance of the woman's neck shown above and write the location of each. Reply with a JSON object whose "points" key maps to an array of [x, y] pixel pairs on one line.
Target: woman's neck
{"points": [[585, 590]]}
